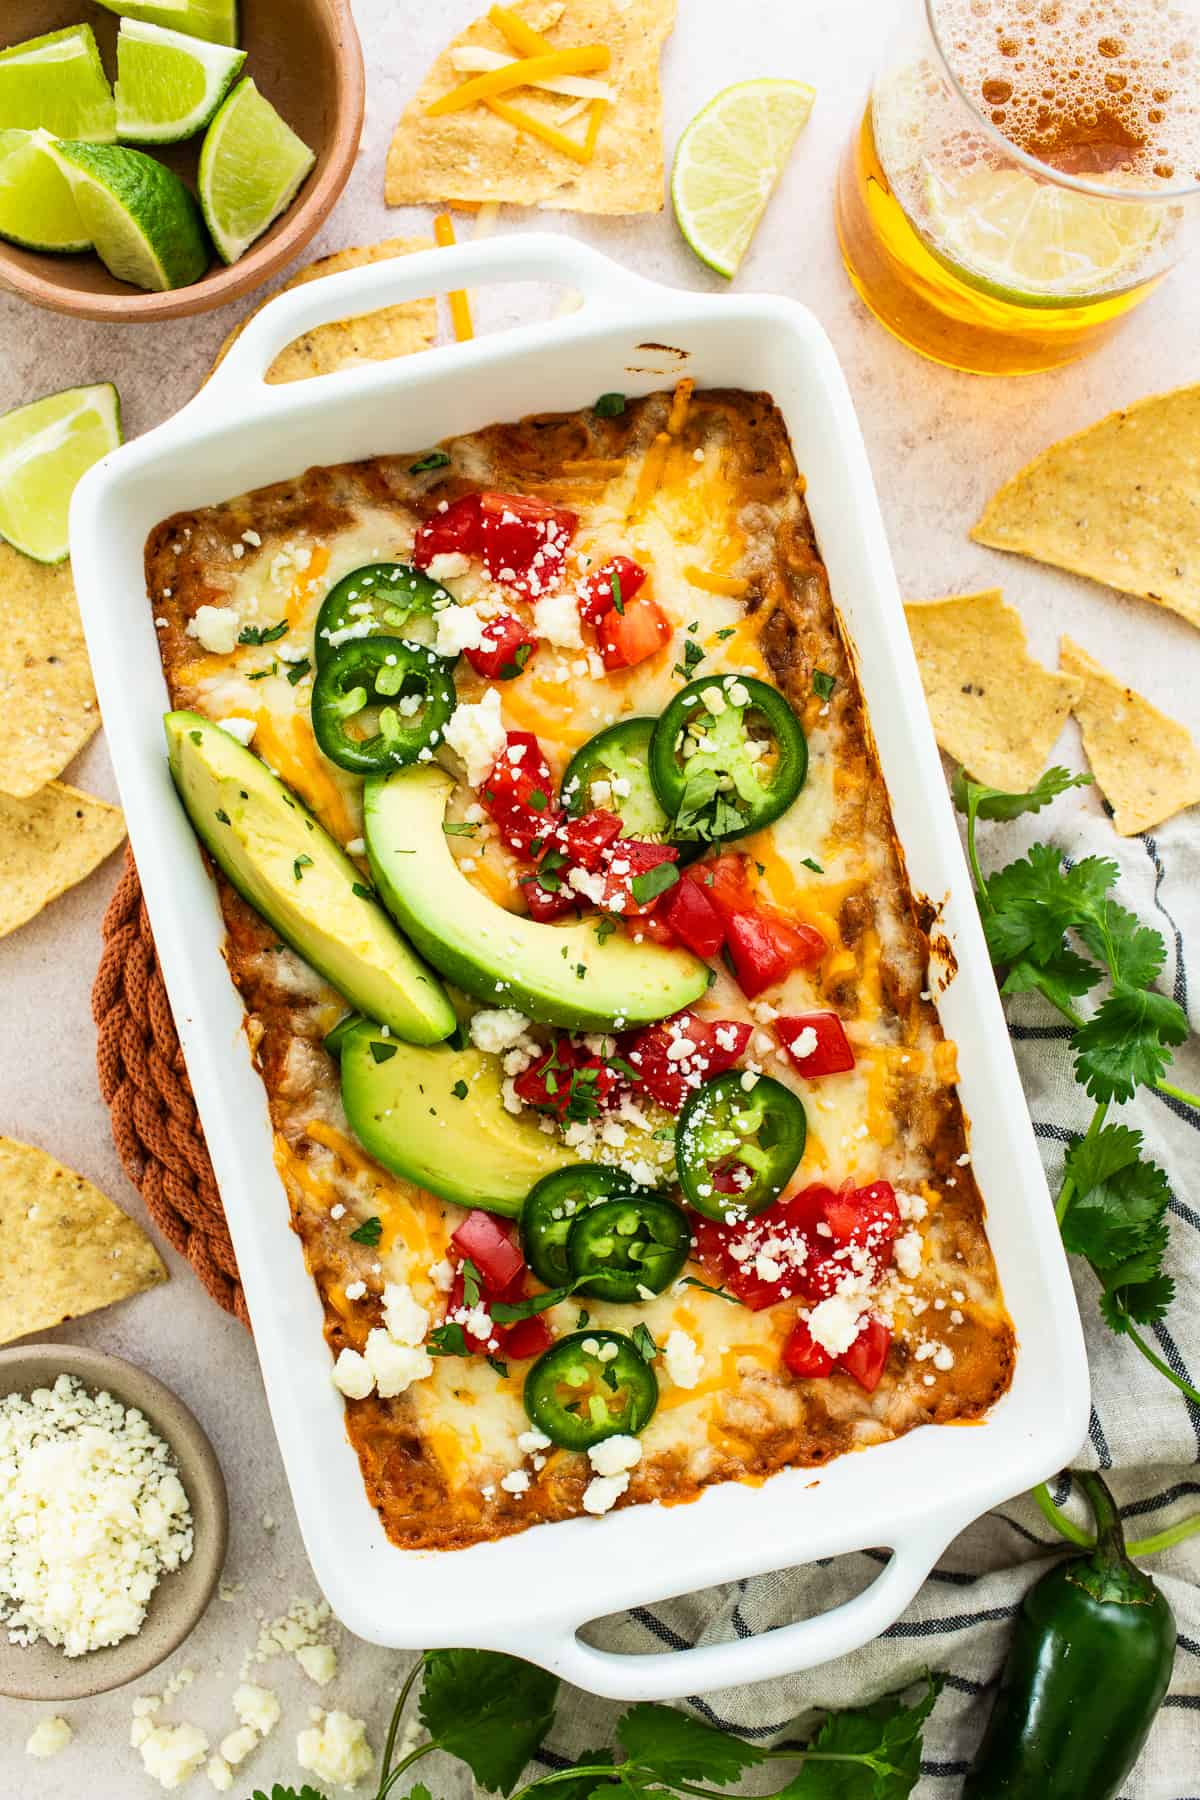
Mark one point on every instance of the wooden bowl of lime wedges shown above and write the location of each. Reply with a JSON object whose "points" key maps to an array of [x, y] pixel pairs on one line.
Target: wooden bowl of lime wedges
{"points": [[162, 157]]}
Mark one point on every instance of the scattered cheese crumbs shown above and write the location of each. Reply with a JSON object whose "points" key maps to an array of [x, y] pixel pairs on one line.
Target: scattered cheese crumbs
{"points": [[835, 1323], [304, 1622], [355, 1290], [476, 731], [319, 1662], [92, 1514], [394, 1366], [497, 1029], [447, 565], [602, 1493], [458, 628], [171, 1754], [258, 1707], [406, 1322], [357, 847], [48, 1737], [908, 1254], [515, 1482], [442, 1275], [238, 1745], [352, 1376], [682, 1360], [336, 1750], [241, 729], [530, 1442], [216, 628], [220, 1774], [556, 617], [615, 1455]]}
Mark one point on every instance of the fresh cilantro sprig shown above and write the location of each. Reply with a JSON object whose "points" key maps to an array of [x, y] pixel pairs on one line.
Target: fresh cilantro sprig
{"points": [[1054, 928], [493, 1713]]}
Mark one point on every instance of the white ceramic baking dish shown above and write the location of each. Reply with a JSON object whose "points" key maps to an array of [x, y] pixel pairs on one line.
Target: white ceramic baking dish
{"points": [[530, 1594]]}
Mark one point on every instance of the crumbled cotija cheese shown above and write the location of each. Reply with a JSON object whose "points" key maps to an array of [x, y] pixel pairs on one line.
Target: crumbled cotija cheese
{"points": [[684, 1362], [216, 628], [476, 731], [48, 1737], [171, 1754], [335, 1749], [319, 1662], [92, 1514]]}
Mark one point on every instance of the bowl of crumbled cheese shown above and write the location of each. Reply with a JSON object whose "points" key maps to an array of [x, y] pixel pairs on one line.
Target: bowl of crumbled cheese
{"points": [[113, 1522]]}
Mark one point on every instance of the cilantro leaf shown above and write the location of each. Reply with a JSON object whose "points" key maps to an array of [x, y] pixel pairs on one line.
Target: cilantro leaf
{"points": [[491, 1711], [1125, 1042], [369, 1232], [288, 1793], [1093, 1160], [1144, 1303], [1134, 953], [1030, 906], [1061, 978], [1117, 1207], [994, 803], [676, 1747], [886, 1736], [583, 1787]]}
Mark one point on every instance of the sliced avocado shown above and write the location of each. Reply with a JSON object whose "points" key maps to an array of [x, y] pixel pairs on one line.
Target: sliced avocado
{"points": [[292, 872], [437, 1117], [571, 975]]}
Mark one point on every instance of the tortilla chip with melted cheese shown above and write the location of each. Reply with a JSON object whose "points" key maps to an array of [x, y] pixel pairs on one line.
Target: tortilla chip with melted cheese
{"points": [[1146, 765], [994, 708], [476, 155], [48, 707], [1119, 502], [65, 1249]]}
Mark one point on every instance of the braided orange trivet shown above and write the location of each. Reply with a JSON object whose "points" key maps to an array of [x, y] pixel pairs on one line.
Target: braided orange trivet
{"points": [[145, 1086]]}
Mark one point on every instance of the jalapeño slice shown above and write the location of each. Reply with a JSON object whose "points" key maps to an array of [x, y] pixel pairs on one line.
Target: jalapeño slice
{"points": [[632, 1244], [736, 1149], [550, 1210], [385, 597], [589, 1386], [410, 690], [726, 757], [617, 758]]}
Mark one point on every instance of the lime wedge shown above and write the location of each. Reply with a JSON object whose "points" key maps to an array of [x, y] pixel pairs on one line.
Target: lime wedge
{"points": [[1027, 241], [216, 20], [728, 161], [168, 85], [37, 207], [58, 82], [44, 449], [144, 223], [251, 165]]}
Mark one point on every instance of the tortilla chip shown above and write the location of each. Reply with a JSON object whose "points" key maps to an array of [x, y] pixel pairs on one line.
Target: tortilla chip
{"points": [[1146, 765], [65, 1249], [48, 707], [476, 156], [995, 709], [48, 843], [1119, 502], [375, 337]]}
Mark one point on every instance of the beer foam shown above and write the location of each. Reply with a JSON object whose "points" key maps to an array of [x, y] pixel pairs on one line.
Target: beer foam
{"points": [[1106, 90]]}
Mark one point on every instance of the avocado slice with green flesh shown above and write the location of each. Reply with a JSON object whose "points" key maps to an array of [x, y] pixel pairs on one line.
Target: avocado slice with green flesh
{"points": [[568, 975], [292, 872], [437, 1117]]}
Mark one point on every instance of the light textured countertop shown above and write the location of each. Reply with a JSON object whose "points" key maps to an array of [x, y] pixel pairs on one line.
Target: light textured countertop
{"points": [[939, 442]]}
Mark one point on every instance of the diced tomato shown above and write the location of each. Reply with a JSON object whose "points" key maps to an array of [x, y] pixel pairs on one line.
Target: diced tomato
{"points": [[867, 1217], [457, 530], [585, 839], [725, 883], [693, 917], [525, 542], [716, 1045], [626, 862], [484, 1240], [803, 1355], [629, 637], [596, 593], [528, 1338], [640, 926], [519, 794], [546, 904], [810, 1261], [506, 648], [765, 948], [566, 1081], [867, 1355], [829, 1055]]}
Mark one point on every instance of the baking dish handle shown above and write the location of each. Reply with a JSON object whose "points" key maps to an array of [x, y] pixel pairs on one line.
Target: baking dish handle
{"points": [[535, 256], [707, 1668]]}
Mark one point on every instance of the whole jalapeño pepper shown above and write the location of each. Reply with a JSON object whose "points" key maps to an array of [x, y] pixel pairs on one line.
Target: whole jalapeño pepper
{"points": [[1086, 1674]]}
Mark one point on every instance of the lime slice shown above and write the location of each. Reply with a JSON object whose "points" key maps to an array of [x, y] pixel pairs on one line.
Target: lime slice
{"points": [[251, 165], [728, 161], [168, 85], [1028, 241], [37, 207], [144, 223], [58, 82], [216, 20], [44, 449]]}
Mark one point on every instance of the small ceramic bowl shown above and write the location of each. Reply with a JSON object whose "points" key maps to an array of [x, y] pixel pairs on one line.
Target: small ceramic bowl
{"points": [[40, 1671], [306, 58]]}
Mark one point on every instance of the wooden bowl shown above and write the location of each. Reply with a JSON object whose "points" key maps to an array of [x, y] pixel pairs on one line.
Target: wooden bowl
{"points": [[306, 58]]}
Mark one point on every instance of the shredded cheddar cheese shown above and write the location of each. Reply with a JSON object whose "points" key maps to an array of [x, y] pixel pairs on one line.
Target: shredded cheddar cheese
{"points": [[460, 306], [581, 59]]}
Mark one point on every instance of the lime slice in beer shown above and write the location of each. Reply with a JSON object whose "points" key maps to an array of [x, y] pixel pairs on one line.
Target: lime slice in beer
{"points": [[728, 162], [44, 450], [168, 85], [1033, 243], [37, 207]]}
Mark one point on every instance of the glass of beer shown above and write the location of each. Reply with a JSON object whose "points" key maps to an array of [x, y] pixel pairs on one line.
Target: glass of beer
{"points": [[1026, 171]]}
